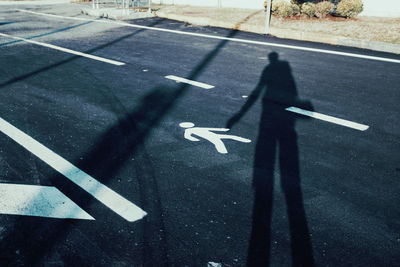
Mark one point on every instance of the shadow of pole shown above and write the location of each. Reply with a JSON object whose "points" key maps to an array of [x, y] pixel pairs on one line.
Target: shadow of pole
{"points": [[34, 237], [48, 33], [60, 63], [277, 138]]}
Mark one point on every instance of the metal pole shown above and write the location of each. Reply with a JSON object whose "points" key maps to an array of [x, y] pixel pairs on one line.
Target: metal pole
{"points": [[149, 10], [268, 17]]}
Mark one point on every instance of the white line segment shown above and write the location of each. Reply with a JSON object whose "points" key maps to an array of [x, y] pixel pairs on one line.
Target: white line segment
{"points": [[324, 51], [36, 200], [101, 192], [66, 50], [316, 115], [183, 80]]}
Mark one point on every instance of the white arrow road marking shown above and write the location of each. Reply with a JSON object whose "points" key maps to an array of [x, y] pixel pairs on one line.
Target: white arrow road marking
{"points": [[101, 192], [36, 200], [66, 50], [316, 115], [183, 80]]}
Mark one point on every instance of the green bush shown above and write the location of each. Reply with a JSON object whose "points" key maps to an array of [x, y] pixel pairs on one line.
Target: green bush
{"points": [[308, 9], [284, 9], [349, 8], [323, 8]]}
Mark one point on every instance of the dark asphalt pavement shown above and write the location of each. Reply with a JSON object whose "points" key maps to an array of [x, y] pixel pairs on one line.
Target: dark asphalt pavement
{"points": [[304, 192]]}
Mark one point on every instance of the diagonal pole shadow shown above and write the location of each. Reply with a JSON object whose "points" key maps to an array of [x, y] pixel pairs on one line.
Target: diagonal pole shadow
{"points": [[35, 239], [60, 63], [48, 33]]}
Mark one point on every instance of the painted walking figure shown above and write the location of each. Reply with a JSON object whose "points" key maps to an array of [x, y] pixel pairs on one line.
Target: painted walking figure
{"points": [[208, 134]]}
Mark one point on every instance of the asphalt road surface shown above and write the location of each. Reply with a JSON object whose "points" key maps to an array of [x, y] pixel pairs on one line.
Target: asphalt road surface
{"points": [[178, 145]]}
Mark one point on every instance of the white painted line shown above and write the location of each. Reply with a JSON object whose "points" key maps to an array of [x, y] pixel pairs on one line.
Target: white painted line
{"points": [[36, 200], [101, 192], [183, 80], [324, 51], [316, 115], [66, 50]]}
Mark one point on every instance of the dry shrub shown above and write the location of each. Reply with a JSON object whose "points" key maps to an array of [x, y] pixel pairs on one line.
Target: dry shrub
{"points": [[284, 9], [308, 9], [349, 8], [296, 9], [323, 8]]}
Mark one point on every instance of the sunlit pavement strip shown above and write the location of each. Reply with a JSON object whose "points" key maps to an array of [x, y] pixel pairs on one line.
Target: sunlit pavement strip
{"points": [[183, 80], [66, 50], [36, 200], [346, 123], [324, 51], [101, 192]]}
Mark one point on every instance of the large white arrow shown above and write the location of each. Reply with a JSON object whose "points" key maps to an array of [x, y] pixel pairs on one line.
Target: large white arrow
{"points": [[101, 192], [37, 200]]}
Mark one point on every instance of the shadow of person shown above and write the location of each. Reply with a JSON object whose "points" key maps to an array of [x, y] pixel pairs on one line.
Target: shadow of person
{"points": [[277, 138]]}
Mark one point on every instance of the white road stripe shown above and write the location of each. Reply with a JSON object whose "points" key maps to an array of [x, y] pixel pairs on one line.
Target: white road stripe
{"points": [[101, 192], [316, 115], [183, 80], [324, 51], [66, 50], [36, 200]]}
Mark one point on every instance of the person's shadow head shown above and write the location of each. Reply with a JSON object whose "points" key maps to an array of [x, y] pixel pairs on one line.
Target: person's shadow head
{"points": [[273, 57]]}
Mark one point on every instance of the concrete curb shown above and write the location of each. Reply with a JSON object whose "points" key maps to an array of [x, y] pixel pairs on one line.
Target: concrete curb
{"points": [[289, 34]]}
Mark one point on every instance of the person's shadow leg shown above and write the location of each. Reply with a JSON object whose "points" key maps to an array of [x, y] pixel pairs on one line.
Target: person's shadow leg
{"points": [[290, 181], [263, 181]]}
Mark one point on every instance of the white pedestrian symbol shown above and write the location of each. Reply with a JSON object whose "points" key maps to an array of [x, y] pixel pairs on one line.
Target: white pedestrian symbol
{"points": [[207, 133]]}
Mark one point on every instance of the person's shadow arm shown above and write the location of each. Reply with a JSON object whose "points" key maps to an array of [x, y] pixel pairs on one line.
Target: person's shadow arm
{"points": [[250, 101]]}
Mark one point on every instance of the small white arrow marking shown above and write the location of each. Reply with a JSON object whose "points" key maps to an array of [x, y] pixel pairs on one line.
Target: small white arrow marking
{"points": [[36, 200]]}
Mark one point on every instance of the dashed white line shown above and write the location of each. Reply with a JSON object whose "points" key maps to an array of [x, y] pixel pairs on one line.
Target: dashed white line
{"points": [[101, 192], [66, 50], [316, 115], [324, 51], [183, 80], [37, 200]]}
